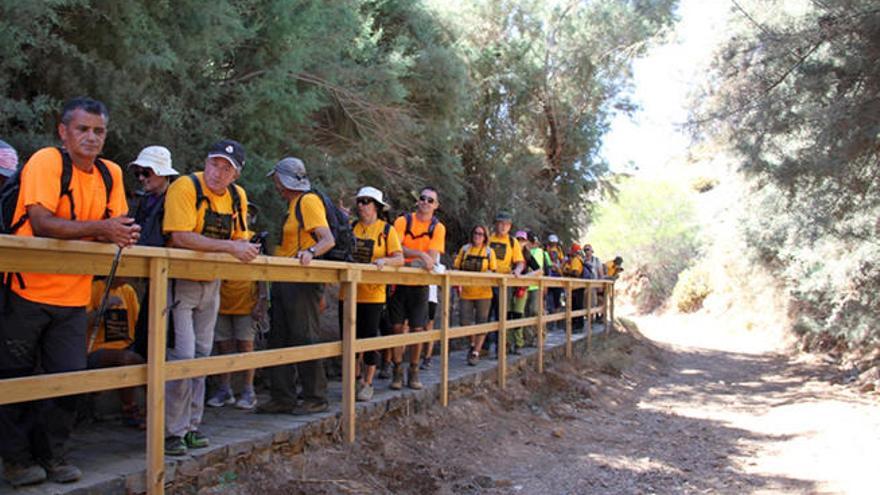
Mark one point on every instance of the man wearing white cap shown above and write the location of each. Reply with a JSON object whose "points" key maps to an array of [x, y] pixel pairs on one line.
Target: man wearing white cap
{"points": [[8, 161], [296, 306], [204, 211]]}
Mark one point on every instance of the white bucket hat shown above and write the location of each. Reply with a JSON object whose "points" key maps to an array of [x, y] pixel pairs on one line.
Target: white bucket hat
{"points": [[374, 194], [553, 238], [157, 159]]}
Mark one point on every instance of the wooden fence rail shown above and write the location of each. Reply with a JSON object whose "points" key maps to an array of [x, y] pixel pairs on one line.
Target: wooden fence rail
{"points": [[22, 254]]}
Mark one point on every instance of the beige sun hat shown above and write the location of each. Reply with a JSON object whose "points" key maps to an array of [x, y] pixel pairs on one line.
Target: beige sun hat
{"points": [[374, 194], [157, 159]]}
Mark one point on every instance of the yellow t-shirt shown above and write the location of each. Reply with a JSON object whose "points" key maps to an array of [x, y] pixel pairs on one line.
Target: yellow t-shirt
{"points": [[41, 184], [181, 214], [117, 326], [293, 238], [237, 297], [476, 259], [556, 254], [507, 257], [370, 244], [573, 267], [611, 268], [418, 238]]}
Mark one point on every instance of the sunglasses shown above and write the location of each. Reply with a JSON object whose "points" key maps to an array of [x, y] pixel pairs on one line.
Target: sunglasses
{"points": [[364, 201], [480, 233], [427, 199], [143, 173]]}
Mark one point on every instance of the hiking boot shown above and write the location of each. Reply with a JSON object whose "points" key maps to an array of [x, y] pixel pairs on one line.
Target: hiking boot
{"points": [[59, 471], [274, 407], [247, 401], [397, 381], [515, 350], [426, 363], [222, 397], [385, 371], [23, 474], [196, 440], [473, 358], [413, 378], [365, 393], [309, 407], [175, 446]]}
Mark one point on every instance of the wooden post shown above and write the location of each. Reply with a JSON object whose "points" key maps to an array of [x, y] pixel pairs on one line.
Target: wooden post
{"points": [[540, 292], [611, 304], [502, 332], [349, 358], [156, 341], [568, 308], [588, 292], [444, 345]]}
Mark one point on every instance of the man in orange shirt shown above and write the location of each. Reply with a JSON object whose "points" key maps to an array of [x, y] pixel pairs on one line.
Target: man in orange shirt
{"points": [[424, 240], [44, 315]]}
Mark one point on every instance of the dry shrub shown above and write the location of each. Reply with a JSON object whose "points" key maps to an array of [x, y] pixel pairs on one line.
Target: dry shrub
{"points": [[692, 288]]}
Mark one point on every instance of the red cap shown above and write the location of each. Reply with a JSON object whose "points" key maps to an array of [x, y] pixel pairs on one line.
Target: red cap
{"points": [[575, 248]]}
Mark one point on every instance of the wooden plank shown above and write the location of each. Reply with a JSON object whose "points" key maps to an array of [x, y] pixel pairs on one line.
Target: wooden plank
{"points": [[77, 382], [444, 342], [554, 317], [24, 260], [568, 310], [401, 277], [589, 321], [540, 327], [234, 270], [522, 322], [580, 312], [349, 360], [612, 298], [229, 363], [502, 333], [156, 376], [467, 331], [388, 341]]}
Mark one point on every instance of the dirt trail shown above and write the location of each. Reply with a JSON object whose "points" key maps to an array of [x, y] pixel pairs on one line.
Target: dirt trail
{"points": [[637, 417]]}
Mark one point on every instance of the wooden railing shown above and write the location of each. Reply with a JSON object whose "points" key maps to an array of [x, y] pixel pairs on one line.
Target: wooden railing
{"points": [[21, 254]]}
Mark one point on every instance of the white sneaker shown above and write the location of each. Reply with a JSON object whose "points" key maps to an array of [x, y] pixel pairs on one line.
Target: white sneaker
{"points": [[247, 401], [221, 398]]}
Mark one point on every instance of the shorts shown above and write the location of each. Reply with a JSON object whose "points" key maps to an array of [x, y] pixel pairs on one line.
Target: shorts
{"points": [[238, 327], [409, 302], [432, 310]]}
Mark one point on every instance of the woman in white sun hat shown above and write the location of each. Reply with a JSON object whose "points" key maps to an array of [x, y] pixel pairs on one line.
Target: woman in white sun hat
{"points": [[152, 168]]}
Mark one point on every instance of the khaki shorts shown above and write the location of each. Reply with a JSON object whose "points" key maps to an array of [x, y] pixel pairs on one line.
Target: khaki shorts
{"points": [[238, 327]]}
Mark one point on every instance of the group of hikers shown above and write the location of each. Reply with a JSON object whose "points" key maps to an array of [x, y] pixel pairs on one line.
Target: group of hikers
{"points": [[51, 323]]}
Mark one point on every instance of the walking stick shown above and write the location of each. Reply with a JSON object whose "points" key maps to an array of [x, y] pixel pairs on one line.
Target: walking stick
{"points": [[96, 324]]}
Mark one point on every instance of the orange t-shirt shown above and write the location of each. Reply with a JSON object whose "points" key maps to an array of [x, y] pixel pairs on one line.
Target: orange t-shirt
{"points": [[418, 241], [41, 184]]}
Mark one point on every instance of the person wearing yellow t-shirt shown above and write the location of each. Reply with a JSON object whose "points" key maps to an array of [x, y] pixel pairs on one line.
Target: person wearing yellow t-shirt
{"points": [[295, 307], [476, 256], [423, 238], [205, 211], [376, 242], [574, 268], [45, 313], [613, 268], [110, 344]]}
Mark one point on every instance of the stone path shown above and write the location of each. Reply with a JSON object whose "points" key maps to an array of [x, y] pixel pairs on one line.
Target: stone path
{"points": [[112, 457]]}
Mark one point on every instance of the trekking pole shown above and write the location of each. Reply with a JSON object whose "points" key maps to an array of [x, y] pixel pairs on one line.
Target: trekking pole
{"points": [[103, 306]]}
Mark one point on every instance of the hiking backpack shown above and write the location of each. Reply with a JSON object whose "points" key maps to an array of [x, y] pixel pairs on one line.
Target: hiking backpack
{"points": [[339, 224], [236, 200], [465, 255], [429, 232], [12, 188]]}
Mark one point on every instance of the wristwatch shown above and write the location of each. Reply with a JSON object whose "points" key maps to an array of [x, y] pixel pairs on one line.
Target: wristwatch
{"points": [[312, 250]]}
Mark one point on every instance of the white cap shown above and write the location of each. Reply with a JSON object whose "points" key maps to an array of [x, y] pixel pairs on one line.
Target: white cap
{"points": [[552, 238], [374, 194], [157, 159]]}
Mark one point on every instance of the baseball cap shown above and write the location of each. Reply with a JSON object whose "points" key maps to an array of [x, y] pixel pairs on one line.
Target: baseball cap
{"points": [[503, 216], [157, 159], [8, 159], [232, 151], [575, 248], [521, 234], [292, 174], [372, 193]]}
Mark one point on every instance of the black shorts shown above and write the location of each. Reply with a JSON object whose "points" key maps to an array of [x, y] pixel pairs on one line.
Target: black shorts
{"points": [[409, 302], [432, 310]]}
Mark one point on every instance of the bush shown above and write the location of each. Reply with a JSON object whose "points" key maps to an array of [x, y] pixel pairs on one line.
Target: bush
{"points": [[693, 286], [704, 184]]}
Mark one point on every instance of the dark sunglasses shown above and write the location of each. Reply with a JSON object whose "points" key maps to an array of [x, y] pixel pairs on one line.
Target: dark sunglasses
{"points": [[144, 172], [480, 233], [364, 201], [427, 199]]}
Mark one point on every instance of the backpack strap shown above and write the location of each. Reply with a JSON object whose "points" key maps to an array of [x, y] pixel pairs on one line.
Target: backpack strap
{"points": [[236, 207], [67, 177], [430, 233], [108, 183], [200, 194]]}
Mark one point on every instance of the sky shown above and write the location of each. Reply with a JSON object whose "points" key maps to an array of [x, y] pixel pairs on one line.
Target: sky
{"points": [[650, 138]]}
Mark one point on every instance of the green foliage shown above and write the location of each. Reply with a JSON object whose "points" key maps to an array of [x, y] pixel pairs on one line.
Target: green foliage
{"points": [[692, 288], [796, 95], [652, 225]]}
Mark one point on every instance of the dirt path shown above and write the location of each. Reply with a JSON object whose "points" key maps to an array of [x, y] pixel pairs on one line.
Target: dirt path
{"points": [[638, 417]]}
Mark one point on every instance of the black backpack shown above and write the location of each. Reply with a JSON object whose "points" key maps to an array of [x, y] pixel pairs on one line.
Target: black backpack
{"points": [[236, 199], [429, 233], [11, 190], [339, 224]]}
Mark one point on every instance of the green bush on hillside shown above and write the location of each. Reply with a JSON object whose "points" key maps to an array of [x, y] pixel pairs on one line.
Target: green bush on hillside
{"points": [[693, 286]]}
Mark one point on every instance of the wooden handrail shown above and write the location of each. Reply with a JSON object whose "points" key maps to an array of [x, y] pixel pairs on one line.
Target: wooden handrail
{"points": [[29, 254]]}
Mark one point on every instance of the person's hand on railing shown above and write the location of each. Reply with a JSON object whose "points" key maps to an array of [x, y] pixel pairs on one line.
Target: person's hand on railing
{"points": [[121, 231], [244, 250]]}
